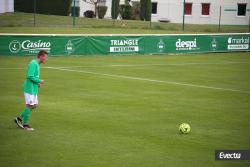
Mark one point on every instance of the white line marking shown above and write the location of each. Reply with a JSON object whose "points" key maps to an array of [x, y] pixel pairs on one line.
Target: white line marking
{"points": [[142, 65], [151, 80], [212, 34], [10, 68], [135, 65]]}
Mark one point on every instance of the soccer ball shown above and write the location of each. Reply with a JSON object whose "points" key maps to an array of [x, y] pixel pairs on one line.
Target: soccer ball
{"points": [[184, 128]]}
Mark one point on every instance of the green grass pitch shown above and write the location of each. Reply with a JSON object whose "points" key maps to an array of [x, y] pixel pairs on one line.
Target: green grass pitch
{"points": [[124, 111]]}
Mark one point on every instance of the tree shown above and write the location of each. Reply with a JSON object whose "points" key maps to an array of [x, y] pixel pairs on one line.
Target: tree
{"points": [[126, 10], [101, 11], [115, 9], [145, 10], [136, 11]]}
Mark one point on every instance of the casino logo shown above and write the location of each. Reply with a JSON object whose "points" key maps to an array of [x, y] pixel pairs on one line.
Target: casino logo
{"points": [[28, 46], [15, 46]]}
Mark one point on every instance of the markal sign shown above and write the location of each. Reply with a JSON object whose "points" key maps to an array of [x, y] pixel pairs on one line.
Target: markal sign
{"points": [[129, 45], [29, 46], [237, 43], [186, 45]]}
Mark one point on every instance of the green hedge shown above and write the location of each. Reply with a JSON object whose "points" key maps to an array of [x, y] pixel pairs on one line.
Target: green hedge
{"points": [[101, 11], [53, 7], [115, 9], [136, 11], [145, 10], [77, 11], [126, 12]]}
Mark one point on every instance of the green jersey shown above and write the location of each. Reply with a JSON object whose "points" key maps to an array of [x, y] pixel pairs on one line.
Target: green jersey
{"points": [[32, 78]]}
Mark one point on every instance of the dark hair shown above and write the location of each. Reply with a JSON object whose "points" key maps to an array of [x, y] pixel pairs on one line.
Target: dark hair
{"points": [[42, 52]]}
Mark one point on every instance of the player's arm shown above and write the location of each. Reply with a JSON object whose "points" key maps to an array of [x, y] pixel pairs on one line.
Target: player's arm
{"points": [[41, 83], [31, 74]]}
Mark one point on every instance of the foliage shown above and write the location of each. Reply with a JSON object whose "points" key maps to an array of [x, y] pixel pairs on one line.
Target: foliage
{"points": [[75, 11], [55, 7], [115, 9], [145, 10], [101, 11], [89, 14], [126, 12]]}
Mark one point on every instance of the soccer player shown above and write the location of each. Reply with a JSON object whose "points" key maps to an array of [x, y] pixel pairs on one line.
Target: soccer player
{"points": [[31, 85]]}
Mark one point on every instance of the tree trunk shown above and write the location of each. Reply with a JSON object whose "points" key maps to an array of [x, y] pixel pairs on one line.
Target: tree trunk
{"points": [[95, 9]]}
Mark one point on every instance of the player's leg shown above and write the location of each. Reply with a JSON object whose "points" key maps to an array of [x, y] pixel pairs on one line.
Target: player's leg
{"points": [[26, 115], [19, 122], [31, 103]]}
